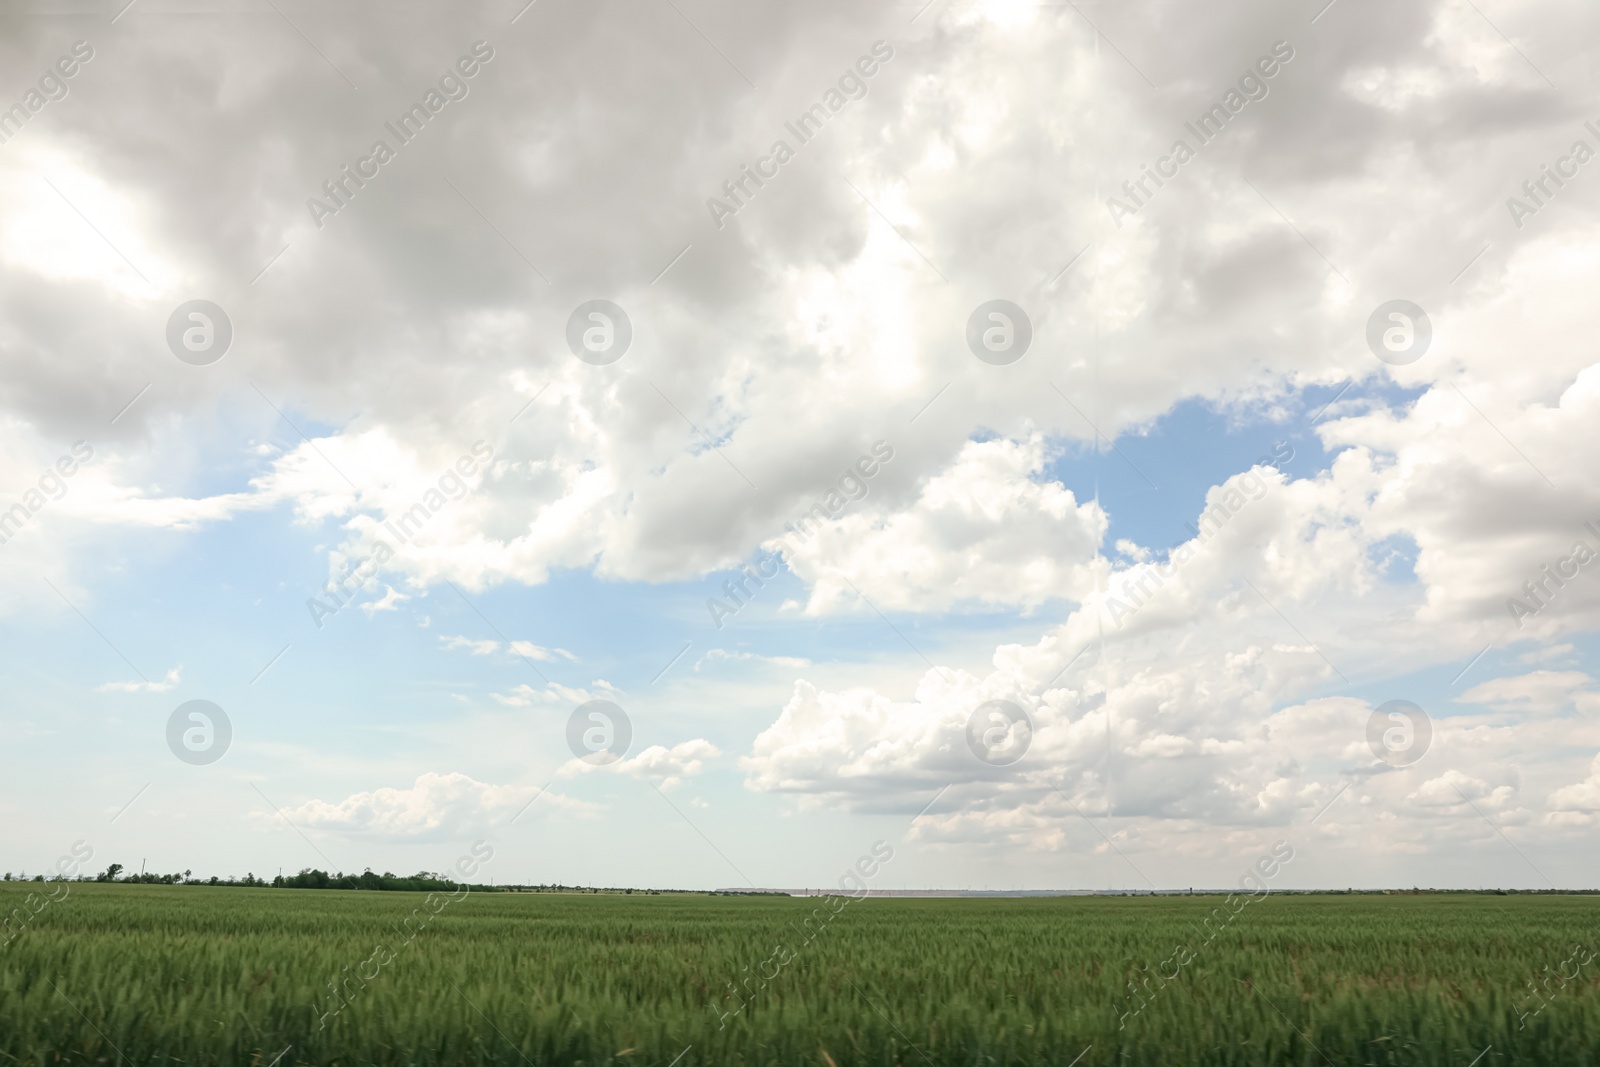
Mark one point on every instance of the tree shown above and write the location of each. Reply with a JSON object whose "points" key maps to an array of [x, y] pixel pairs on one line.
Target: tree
{"points": [[110, 873]]}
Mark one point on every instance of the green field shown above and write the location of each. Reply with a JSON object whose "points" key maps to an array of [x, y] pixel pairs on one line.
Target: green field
{"points": [[186, 974]]}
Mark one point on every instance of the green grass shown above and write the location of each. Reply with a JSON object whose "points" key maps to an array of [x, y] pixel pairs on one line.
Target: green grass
{"points": [[162, 975]]}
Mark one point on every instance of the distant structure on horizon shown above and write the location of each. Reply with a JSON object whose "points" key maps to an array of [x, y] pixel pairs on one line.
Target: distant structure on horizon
{"points": [[962, 892], [1141, 892]]}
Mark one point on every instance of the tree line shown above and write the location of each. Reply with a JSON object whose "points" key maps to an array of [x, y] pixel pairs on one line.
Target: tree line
{"points": [[311, 878]]}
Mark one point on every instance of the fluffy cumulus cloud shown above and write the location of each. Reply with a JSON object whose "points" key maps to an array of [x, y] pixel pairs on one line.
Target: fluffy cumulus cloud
{"points": [[844, 312], [1163, 750], [986, 530], [1579, 802], [671, 765], [400, 384]]}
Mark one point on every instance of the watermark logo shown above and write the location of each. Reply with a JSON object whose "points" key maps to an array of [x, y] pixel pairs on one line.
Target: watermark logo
{"points": [[1543, 588], [52, 86], [1538, 190], [199, 732], [599, 332], [1399, 332], [52, 485], [353, 980], [855, 882], [740, 190], [1138, 585], [1399, 733], [999, 332], [1581, 957], [767, 570], [199, 332], [14, 923], [1252, 887], [999, 733], [342, 189], [451, 486], [599, 732], [852, 487], [1252, 88]]}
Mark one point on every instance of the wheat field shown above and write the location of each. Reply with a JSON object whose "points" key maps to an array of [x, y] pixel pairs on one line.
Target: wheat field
{"points": [[133, 974]]}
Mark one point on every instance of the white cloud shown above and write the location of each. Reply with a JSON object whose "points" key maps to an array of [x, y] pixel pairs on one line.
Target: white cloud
{"points": [[723, 655], [435, 806], [1539, 692], [811, 325], [985, 531], [170, 681], [390, 601], [1453, 787], [489, 646], [670, 766], [472, 645], [1580, 802], [1560, 655], [555, 694], [540, 653]]}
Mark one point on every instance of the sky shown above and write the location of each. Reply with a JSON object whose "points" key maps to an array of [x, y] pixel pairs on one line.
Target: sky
{"points": [[684, 444]]}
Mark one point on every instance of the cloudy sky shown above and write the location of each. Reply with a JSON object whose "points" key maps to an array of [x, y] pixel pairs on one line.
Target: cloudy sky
{"points": [[400, 381]]}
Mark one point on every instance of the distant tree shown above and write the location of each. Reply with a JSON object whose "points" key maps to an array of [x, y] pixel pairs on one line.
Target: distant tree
{"points": [[110, 873]]}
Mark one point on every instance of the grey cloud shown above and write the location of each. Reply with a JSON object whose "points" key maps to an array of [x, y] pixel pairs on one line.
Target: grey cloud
{"points": [[591, 142]]}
